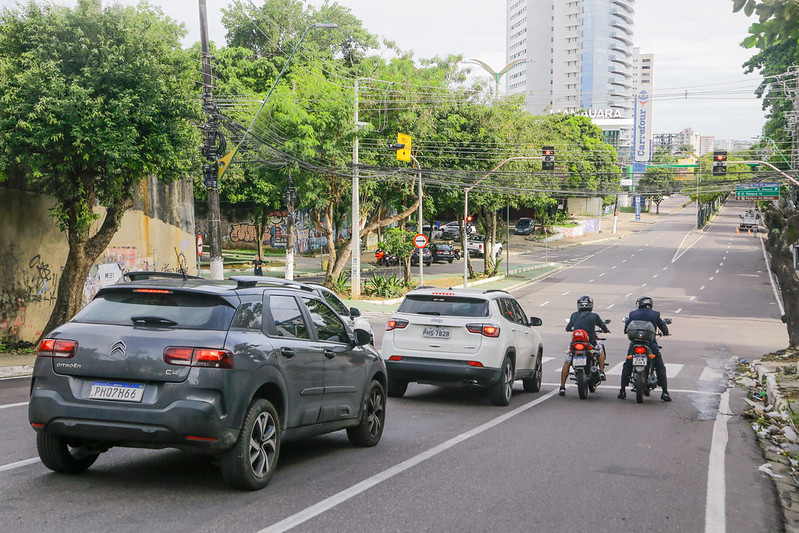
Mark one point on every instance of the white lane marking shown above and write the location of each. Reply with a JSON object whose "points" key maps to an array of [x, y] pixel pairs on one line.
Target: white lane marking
{"points": [[610, 306], [624, 260], [543, 304], [590, 281], [6, 406], [692, 298], [678, 310], [665, 268], [640, 249], [632, 255], [717, 271], [711, 374], [331, 502], [777, 295], [702, 288], [644, 285], [653, 277], [715, 503], [628, 295], [602, 274], [614, 266], [546, 359], [710, 278], [565, 293], [18, 464]]}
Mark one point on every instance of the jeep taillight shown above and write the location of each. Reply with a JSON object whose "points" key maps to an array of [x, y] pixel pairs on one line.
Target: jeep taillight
{"points": [[57, 348], [203, 357], [486, 330], [395, 323]]}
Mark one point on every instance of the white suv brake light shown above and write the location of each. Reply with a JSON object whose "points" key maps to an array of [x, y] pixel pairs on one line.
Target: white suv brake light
{"points": [[486, 330]]}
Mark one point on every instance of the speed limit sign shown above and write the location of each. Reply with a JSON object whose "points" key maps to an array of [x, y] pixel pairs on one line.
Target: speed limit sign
{"points": [[420, 241]]}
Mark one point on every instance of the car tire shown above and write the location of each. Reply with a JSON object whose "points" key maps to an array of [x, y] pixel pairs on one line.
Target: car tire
{"points": [[502, 390], [450, 261], [251, 462], [533, 383], [373, 417], [396, 388], [428, 264], [59, 455]]}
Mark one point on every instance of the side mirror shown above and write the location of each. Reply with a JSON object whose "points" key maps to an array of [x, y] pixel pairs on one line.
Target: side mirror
{"points": [[667, 320], [362, 337], [354, 312], [625, 319], [535, 321]]}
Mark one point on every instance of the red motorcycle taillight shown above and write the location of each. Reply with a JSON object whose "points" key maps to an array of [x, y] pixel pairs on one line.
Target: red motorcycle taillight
{"points": [[640, 349], [395, 324], [579, 346], [205, 357]]}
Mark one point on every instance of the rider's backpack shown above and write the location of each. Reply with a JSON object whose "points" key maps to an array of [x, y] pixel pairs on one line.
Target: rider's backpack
{"points": [[640, 330]]}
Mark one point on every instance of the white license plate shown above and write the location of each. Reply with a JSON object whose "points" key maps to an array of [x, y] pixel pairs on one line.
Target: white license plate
{"points": [[436, 333], [114, 390], [579, 360], [639, 361]]}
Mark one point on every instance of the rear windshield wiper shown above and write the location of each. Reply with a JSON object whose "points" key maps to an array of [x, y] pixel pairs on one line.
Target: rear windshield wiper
{"points": [[153, 320], [428, 313]]}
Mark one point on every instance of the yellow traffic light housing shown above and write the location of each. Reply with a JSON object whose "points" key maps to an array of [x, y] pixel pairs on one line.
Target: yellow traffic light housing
{"points": [[404, 153]]}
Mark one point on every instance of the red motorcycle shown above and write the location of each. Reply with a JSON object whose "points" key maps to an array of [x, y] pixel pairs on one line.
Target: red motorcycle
{"points": [[585, 362]]}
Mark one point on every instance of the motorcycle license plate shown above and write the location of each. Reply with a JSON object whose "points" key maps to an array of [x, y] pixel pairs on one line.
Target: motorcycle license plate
{"points": [[639, 360], [579, 360]]}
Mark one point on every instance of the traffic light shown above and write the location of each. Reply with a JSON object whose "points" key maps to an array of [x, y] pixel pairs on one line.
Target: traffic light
{"points": [[548, 158], [403, 147], [719, 163]]}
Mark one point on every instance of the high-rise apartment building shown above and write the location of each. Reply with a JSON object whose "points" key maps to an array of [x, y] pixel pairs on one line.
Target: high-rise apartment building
{"points": [[580, 59]]}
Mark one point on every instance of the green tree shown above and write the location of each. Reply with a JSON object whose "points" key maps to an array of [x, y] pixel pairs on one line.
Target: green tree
{"points": [[776, 34], [93, 101], [399, 242], [657, 183]]}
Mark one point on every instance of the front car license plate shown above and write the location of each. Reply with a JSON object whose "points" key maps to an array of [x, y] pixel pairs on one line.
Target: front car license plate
{"points": [[115, 390], [436, 333], [639, 361], [578, 360]]}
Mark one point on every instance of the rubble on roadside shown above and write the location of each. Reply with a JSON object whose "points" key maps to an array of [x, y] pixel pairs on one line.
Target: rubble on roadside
{"points": [[773, 384]]}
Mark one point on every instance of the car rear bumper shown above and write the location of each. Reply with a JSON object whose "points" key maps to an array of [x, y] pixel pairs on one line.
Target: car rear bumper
{"points": [[187, 424], [421, 369]]}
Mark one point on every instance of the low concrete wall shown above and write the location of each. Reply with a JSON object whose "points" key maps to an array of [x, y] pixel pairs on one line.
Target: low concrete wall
{"points": [[33, 251]]}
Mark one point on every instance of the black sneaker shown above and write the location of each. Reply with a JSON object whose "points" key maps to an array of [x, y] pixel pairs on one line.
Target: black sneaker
{"points": [[665, 397], [562, 391], [622, 394], [602, 376]]}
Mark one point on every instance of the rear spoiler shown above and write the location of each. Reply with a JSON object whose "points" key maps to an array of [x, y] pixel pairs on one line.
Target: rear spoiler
{"points": [[140, 275]]}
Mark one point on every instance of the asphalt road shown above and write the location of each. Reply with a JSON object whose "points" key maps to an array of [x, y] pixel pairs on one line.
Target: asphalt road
{"points": [[449, 461]]}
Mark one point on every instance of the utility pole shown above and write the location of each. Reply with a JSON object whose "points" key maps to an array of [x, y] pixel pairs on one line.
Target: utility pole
{"points": [[290, 197], [209, 150], [355, 279]]}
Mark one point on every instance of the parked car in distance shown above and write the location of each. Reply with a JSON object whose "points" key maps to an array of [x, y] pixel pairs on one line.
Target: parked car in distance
{"points": [[452, 230], [426, 255], [442, 252], [229, 370], [476, 246], [524, 226], [434, 233], [462, 336]]}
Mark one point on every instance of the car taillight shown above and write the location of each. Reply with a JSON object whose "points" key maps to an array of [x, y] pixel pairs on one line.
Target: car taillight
{"points": [[474, 363], [579, 346], [486, 330], [204, 357], [57, 348], [153, 291], [395, 358], [640, 349], [396, 324]]}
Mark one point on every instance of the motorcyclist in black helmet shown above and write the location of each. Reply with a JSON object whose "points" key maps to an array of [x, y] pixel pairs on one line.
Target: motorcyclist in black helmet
{"points": [[644, 311], [584, 318]]}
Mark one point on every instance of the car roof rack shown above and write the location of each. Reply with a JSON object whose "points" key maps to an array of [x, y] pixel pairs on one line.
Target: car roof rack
{"points": [[246, 282], [139, 275]]}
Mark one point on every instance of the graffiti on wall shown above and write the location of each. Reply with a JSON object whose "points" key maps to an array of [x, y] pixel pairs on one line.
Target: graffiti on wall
{"points": [[307, 237]]}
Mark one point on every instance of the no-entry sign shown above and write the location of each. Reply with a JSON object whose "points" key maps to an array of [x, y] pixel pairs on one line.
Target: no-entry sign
{"points": [[420, 241], [199, 245]]}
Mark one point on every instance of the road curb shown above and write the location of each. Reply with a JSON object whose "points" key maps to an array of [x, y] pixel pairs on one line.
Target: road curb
{"points": [[16, 371]]}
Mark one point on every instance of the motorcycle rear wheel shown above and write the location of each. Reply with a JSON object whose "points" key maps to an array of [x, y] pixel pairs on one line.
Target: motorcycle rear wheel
{"points": [[582, 383], [639, 387]]}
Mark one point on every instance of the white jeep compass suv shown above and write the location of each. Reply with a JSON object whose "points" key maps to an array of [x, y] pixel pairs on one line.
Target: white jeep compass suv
{"points": [[481, 337]]}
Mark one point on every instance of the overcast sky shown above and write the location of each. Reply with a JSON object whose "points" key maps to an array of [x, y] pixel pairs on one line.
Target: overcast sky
{"points": [[699, 82]]}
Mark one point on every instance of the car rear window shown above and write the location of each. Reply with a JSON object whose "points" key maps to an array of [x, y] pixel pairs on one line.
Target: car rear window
{"points": [[188, 310], [426, 304]]}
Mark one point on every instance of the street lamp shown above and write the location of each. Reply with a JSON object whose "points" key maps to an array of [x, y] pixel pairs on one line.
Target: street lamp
{"points": [[498, 75], [466, 213], [776, 148], [290, 196]]}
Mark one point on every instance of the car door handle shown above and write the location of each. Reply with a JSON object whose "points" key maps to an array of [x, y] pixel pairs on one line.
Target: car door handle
{"points": [[330, 354], [288, 353]]}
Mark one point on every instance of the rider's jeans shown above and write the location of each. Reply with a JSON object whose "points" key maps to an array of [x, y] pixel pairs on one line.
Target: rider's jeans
{"points": [[660, 369]]}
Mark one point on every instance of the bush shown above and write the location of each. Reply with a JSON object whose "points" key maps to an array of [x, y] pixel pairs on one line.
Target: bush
{"points": [[384, 286]]}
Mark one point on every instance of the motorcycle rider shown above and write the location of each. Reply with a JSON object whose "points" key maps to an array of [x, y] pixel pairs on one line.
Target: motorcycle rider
{"points": [[645, 312], [584, 318]]}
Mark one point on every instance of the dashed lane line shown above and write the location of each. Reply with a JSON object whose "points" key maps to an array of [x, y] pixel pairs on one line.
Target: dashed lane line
{"points": [[6, 406]]}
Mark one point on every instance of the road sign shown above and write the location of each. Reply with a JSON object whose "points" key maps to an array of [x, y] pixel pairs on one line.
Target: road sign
{"points": [[420, 241], [199, 245], [758, 191]]}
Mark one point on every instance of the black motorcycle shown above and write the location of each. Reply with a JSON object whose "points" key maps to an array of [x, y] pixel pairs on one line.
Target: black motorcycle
{"points": [[585, 362], [644, 377]]}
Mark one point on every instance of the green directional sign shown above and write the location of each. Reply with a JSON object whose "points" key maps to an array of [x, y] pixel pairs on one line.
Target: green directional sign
{"points": [[758, 191]]}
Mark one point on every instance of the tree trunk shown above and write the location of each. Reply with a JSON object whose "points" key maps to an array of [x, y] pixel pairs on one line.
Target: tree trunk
{"points": [[783, 231], [83, 252]]}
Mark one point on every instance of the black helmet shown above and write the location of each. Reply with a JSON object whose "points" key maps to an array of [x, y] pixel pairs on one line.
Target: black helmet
{"points": [[585, 303], [644, 301]]}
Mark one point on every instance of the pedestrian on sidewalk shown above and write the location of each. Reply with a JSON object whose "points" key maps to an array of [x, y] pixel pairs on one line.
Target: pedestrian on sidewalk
{"points": [[258, 264]]}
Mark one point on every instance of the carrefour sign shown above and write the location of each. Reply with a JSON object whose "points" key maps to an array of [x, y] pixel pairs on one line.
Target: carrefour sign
{"points": [[642, 127]]}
